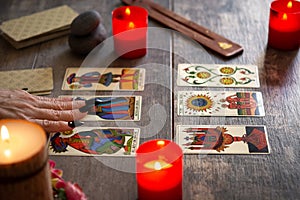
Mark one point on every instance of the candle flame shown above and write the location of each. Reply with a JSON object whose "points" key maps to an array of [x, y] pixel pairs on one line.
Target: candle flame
{"points": [[131, 25], [127, 11], [157, 165], [4, 133], [284, 16], [160, 142], [290, 4]]}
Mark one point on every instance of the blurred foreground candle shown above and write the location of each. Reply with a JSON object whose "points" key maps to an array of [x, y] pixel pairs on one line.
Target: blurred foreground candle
{"points": [[24, 170], [159, 170], [284, 25], [129, 26]]}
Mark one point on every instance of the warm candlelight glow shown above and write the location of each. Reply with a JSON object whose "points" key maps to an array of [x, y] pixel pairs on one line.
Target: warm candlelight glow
{"points": [[127, 11], [157, 165], [290, 4], [160, 143], [4, 134], [7, 153], [284, 16], [131, 25]]}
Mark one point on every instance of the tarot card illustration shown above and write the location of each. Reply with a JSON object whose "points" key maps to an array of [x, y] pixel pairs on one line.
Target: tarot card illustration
{"points": [[220, 103], [225, 139], [111, 108], [129, 79], [216, 75], [95, 141]]}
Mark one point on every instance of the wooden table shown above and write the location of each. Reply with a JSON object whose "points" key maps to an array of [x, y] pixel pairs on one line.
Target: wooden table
{"points": [[274, 176]]}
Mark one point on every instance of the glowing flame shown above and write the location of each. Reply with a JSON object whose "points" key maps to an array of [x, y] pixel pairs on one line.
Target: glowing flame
{"points": [[157, 166], [284, 16], [127, 11], [131, 25], [4, 134], [160, 143], [290, 4]]}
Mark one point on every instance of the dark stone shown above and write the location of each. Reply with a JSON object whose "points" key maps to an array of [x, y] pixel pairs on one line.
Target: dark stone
{"points": [[85, 44], [85, 23]]}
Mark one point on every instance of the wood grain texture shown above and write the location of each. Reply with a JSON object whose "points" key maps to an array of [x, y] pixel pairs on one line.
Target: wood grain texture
{"points": [[274, 176]]}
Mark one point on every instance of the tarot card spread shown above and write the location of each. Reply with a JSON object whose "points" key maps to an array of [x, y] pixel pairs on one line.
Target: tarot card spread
{"points": [[129, 79], [225, 139], [220, 103], [111, 108], [95, 141], [205, 75]]}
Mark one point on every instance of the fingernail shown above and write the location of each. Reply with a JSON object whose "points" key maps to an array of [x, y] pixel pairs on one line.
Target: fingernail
{"points": [[84, 108], [74, 124]]}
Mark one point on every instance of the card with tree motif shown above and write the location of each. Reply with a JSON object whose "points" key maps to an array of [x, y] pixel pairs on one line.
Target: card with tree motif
{"points": [[127, 79], [95, 141], [220, 103], [222, 139], [218, 75], [111, 108]]}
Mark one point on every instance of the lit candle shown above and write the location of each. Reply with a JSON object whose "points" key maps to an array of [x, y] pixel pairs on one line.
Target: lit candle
{"points": [[24, 170], [284, 25], [159, 170], [129, 26]]}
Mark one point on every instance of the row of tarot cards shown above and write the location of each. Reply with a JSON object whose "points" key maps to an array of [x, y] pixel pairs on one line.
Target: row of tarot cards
{"points": [[193, 139]]}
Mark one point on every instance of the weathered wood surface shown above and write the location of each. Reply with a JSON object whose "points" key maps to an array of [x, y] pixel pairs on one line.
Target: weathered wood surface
{"points": [[274, 176]]}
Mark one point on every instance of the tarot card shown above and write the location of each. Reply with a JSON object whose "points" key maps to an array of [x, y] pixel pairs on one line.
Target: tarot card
{"points": [[128, 79], [216, 75], [35, 81], [111, 108], [95, 141], [223, 139], [220, 103]]}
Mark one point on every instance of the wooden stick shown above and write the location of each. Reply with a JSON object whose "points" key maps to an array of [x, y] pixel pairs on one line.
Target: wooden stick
{"points": [[202, 35]]}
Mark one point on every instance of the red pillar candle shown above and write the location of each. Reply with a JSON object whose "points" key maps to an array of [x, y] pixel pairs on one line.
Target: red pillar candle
{"points": [[129, 27], [159, 170], [284, 25]]}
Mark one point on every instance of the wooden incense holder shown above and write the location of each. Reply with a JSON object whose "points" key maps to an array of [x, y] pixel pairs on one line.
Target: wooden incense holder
{"points": [[189, 28]]}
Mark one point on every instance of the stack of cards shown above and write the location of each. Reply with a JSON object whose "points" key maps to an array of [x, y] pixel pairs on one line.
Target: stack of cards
{"points": [[38, 27], [35, 81]]}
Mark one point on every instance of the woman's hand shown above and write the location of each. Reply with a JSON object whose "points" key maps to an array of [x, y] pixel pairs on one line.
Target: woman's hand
{"points": [[53, 114]]}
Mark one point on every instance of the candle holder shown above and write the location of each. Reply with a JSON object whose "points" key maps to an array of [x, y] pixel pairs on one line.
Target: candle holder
{"points": [[159, 170], [24, 167], [129, 27], [284, 25]]}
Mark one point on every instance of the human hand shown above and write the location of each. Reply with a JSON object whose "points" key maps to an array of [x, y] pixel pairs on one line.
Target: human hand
{"points": [[53, 114]]}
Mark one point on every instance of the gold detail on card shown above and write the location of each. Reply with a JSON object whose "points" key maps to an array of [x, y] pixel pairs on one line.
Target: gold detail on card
{"points": [[224, 45]]}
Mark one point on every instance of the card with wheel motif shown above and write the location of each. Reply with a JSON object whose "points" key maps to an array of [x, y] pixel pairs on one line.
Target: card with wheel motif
{"points": [[111, 108], [126, 79], [220, 103], [222, 139], [218, 75], [95, 141]]}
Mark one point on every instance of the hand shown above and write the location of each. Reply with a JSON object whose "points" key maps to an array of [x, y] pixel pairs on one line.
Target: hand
{"points": [[53, 114]]}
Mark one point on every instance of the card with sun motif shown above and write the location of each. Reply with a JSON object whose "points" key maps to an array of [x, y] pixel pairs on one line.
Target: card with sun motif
{"points": [[222, 139], [95, 141], [218, 75], [220, 103]]}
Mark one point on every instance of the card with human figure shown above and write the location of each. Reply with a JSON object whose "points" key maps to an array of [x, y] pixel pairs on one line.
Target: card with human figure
{"points": [[126, 79], [111, 108], [220, 103], [222, 139], [95, 141], [218, 75]]}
